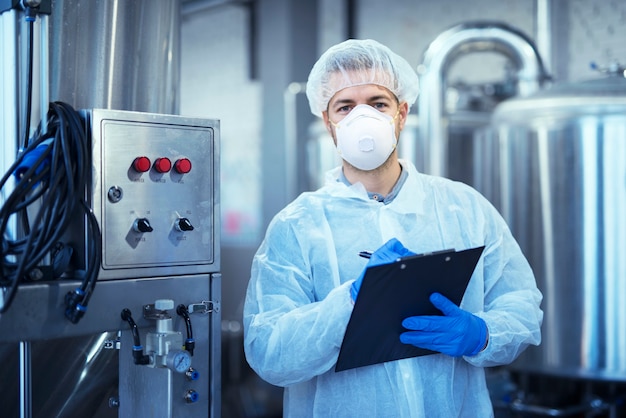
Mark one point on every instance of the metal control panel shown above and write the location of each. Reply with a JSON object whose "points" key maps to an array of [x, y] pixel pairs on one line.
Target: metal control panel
{"points": [[155, 194]]}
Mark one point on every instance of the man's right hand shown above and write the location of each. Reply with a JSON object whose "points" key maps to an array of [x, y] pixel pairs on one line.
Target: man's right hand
{"points": [[388, 253]]}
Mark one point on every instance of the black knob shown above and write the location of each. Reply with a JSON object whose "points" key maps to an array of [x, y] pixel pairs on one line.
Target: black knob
{"points": [[184, 225], [142, 225]]}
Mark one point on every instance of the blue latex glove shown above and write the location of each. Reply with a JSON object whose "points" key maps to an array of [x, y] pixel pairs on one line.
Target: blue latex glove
{"points": [[388, 253], [457, 333]]}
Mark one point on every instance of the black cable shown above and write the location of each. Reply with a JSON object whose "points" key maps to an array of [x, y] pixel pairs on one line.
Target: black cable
{"points": [[138, 355], [52, 171], [190, 343], [10, 270]]}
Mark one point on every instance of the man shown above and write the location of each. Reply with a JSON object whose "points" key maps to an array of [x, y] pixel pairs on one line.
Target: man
{"points": [[306, 274]]}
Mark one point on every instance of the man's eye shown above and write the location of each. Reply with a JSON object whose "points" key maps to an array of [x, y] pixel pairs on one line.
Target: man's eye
{"points": [[380, 106], [344, 109]]}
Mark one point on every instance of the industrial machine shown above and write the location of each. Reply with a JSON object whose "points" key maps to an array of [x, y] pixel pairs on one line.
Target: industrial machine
{"points": [[446, 127], [553, 163], [549, 156], [111, 285]]}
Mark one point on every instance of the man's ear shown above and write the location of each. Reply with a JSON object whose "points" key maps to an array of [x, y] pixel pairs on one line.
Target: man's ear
{"points": [[329, 126], [327, 122], [403, 112]]}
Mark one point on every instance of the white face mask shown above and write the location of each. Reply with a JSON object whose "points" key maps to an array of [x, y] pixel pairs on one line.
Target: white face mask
{"points": [[366, 137]]}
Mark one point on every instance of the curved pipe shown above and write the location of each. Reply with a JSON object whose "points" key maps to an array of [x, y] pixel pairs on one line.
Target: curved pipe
{"points": [[190, 343], [138, 356], [456, 41]]}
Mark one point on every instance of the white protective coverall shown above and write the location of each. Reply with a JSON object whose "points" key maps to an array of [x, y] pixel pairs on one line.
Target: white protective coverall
{"points": [[298, 299]]}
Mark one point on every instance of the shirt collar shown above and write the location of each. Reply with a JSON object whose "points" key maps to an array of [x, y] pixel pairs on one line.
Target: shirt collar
{"points": [[377, 196]]}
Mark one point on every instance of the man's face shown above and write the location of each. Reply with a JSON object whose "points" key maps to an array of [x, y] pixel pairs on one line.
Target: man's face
{"points": [[373, 95]]}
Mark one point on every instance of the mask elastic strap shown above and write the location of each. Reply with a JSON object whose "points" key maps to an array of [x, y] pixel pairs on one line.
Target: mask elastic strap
{"points": [[393, 119]]}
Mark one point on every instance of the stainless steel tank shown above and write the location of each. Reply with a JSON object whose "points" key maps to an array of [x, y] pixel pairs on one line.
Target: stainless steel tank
{"points": [[554, 163], [116, 55], [445, 135]]}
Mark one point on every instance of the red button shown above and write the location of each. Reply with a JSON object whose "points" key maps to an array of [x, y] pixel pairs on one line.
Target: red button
{"points": [[162, 165], [141, 164], [183, 166]]}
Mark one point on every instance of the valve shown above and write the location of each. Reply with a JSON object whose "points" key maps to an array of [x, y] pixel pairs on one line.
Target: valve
{"points": [[165, 345], [613, 69], [191, 396], [192, 374]]}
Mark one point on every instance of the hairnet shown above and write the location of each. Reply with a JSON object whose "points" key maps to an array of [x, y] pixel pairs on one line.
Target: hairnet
{"points": [[356, 62]]}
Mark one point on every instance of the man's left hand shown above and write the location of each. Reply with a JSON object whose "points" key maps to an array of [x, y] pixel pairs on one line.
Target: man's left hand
{"points": [[457, 333]]}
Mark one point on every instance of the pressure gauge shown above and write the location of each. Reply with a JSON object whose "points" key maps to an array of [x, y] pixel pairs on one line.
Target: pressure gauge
{"points": [[178, 360]]}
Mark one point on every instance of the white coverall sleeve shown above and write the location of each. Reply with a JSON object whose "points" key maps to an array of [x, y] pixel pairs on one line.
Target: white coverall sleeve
{"points": [[511, 298], [289, 335]]}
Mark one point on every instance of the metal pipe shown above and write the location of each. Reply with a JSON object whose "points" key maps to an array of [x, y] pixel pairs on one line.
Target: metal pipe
{"points": [[44, 68], [9, 105], [26, 403], [594, 405], [544, 32], [456, 41], [291, 136]]}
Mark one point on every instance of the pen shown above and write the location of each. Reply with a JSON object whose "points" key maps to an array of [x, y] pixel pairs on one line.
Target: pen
{"points": [[365, 254]]}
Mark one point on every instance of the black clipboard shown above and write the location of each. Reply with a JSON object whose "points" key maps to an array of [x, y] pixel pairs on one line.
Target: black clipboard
{"points": [[392, 292]]}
